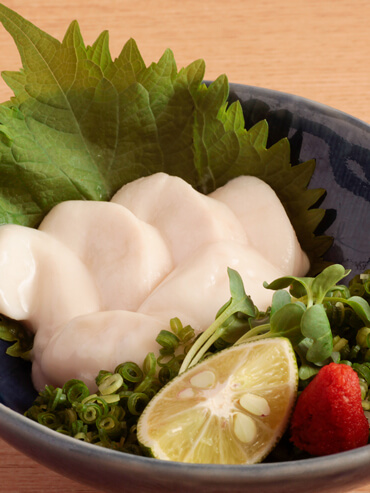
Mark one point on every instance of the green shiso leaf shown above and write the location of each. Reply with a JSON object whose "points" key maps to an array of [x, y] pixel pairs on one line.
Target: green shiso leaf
{"points": [[81, 125]]}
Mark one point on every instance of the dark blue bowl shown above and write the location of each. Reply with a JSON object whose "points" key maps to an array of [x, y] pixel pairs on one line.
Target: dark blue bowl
{"points": [[341, 146]]}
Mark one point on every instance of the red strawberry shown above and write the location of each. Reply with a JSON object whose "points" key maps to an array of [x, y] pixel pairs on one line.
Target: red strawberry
{"points": [[328, 417]]}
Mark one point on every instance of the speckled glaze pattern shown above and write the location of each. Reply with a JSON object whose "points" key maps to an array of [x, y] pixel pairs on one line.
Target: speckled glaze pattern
{"points": [[341, 146]]}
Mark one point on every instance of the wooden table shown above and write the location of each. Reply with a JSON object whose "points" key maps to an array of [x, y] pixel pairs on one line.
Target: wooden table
{"points": [[318, 49]]}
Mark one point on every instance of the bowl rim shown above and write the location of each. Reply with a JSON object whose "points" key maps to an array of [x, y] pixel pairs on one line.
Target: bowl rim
{"points": [[14, 421], [295, 98], [14, 425]]}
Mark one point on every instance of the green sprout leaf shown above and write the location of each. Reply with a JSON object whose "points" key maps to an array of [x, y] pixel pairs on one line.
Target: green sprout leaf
{"points": [[306, 369], [299, 286], [316, 326], [313, 288], [279, 299], [326, 280], [286, 281], [286, 322], [240, 301]]}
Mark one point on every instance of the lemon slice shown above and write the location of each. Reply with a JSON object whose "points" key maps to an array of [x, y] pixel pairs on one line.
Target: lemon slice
{"points": [[231, 408]]}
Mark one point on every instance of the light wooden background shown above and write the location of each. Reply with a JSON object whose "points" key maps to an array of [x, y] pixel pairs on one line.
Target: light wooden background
{"points": [[318, 49]]}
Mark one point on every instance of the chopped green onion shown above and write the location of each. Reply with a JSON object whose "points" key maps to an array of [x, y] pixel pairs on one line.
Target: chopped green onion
{"points": [[78, 427], [137, 402], [133, 448], [354, 352], [49, 419], [111, 398], [69, 416], [176, 325], [366, 405], [339, 343], [168, 341], [96, 399], [110, 384], [363, 337], [82, 436], [64, 430], [363, 370], [59, 398], [118, 412], [75, 390], [346, 362], [166, 360], [130, 372], [110, 424], [150, 383], [89, 413], [101, 375]]}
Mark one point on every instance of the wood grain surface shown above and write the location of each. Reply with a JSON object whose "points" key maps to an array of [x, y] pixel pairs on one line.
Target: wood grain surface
{"points": [[318, 49]]}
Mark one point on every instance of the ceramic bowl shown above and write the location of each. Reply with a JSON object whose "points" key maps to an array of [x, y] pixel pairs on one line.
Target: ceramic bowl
{"points": [[341, 146]]}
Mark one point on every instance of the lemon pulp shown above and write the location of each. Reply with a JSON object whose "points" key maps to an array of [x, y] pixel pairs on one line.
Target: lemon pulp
{"points": [[229, 409]]}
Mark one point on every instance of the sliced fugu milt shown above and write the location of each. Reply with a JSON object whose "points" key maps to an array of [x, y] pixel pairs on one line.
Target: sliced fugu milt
{"points": [[116, 246], [186, 218], [232, 408], [268, 220], [203, 282], [86, 344], [42, 282]]}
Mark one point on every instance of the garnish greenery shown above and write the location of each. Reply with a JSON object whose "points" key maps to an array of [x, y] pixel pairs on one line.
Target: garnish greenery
{"points": [[108, 417], [326, 323], [12, 331]]}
